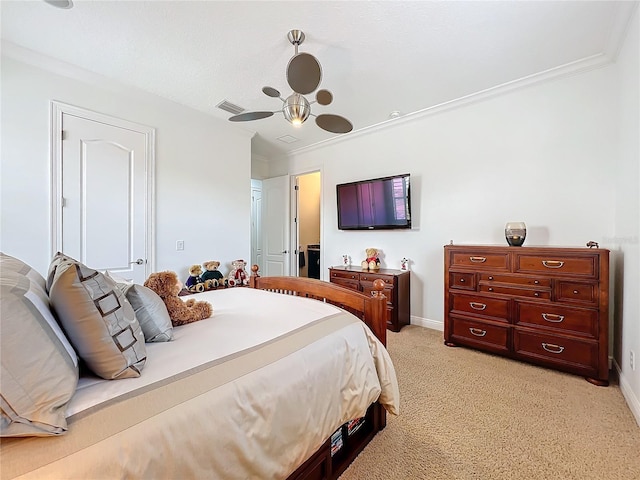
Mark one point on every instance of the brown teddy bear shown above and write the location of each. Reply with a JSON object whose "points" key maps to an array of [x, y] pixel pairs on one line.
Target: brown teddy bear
{"points": [[372, 262], [195, 283], [167, 286], [212, 277]]}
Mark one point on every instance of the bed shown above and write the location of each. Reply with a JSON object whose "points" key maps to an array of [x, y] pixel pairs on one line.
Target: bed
{"points": [[288, 379]]}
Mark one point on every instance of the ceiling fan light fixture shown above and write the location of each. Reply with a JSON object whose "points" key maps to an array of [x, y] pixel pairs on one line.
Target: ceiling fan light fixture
{"points": [[296, 109]]}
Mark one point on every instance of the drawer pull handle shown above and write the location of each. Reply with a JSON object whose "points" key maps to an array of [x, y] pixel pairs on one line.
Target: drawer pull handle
{"points": [[490, 277], [490, 289], [536, 294], [552, 263], [478, 259], [462, 280], [550, 317], [536, 282], [477, 306], [477, 332], [575, 292], [551, 348]]}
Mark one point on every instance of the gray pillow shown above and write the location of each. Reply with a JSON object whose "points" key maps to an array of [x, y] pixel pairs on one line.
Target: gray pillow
{"points": [[39, 367], [97, 318], [151, 312], [7, 262]]}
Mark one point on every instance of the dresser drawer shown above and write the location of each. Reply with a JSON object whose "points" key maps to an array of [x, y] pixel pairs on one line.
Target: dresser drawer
{"points": [[575, 292], [515, 291], [488, 336], [465, 281], [367, 288], [582, 265], [481, 260], [578, 321], [345, 275], [532, 281], [554, 349], [343, 282], [371, 277], [495, 308]]}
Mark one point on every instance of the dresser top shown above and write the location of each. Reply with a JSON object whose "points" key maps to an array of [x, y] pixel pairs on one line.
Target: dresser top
{"points": [[384, 271], [526, 248]]}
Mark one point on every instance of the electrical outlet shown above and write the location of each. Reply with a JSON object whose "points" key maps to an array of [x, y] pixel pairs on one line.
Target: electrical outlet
{"points": [[179, 244], [632, 360]]}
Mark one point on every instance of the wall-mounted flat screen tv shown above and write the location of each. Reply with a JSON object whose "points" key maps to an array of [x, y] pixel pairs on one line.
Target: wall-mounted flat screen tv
{"points": [[380, 203]]}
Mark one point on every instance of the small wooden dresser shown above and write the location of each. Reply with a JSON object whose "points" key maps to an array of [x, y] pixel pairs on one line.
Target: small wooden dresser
{"points": [[397, 290], [544, 305]]}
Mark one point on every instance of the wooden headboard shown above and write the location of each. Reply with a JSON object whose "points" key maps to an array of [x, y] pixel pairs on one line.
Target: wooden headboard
{"points": [[371, 310]]}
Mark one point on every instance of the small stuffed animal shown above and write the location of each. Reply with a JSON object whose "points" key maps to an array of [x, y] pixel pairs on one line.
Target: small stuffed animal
{"points": [[372, 262], [167, 286], [194, 283], [212, 277], [237, 275]]}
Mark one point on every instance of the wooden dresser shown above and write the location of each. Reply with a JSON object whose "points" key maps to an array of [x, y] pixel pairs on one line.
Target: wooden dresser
{"points": [[397, 290], [544, 305]]}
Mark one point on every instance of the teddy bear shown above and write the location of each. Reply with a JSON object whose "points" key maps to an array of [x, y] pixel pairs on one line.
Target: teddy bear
{"points": [[195, 283], [372, 262], [167, 286], [212, 277], [238, 276]]}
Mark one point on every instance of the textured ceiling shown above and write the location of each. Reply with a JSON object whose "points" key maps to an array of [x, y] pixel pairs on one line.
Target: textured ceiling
{"points": [[376, 57]]}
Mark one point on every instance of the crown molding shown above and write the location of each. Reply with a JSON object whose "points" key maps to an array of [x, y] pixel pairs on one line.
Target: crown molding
{"points": [[617, 35], [580, 66]]}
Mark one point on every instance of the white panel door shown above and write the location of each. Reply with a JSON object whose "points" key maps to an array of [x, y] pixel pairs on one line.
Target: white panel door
{"points": [[104, 196], [256, 224], [275, 225]]}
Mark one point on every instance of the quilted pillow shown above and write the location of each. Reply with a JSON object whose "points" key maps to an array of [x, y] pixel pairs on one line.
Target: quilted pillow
{"points": [[97, 319], [39, 367], [151, 312]]}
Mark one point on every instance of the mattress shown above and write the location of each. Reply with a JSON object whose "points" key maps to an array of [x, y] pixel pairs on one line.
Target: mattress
{"points": [[249, 393]]}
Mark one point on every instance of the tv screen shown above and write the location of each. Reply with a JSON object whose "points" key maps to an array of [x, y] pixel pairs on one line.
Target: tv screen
{"points": [[380, 203]]}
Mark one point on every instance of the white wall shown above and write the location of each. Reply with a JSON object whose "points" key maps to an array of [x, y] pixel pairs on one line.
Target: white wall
{"points": [[562, 156], [203, 167], [541, 154], [627, 218]]}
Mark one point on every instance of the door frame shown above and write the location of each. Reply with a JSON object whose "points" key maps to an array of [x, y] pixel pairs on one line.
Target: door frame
{"points": [[57, 110], [293, 224]]}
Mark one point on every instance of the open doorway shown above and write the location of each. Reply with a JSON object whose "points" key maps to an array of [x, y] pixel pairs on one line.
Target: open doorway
{"points": [[307, 224]]}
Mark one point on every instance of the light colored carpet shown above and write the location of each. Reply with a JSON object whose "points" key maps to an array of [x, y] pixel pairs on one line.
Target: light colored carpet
{"points": [[471, 415]]}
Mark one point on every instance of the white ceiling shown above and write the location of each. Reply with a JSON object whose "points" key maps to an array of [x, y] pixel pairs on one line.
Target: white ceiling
{"points": [[376, 56]]}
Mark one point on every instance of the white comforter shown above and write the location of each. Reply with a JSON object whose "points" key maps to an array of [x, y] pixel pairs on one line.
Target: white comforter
{"points": [[248, 393]]}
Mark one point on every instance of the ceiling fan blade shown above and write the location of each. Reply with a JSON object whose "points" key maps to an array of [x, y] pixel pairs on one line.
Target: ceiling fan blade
{"points": [[272, 92], [304, 73], [245, 117], [324, 97], [334, 123]]}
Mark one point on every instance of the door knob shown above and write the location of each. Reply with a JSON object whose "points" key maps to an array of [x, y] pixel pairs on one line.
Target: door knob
{"points": [[139, 261], [285, 251]]}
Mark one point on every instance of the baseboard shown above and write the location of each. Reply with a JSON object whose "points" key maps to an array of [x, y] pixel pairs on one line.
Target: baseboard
{"points": [[632, 401], [427, 323]]}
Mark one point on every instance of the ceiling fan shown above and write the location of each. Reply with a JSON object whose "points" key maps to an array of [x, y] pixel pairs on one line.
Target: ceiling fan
{"points": [[303, 75]]}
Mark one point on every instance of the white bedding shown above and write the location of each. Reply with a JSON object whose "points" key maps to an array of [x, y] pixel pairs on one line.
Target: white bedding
{"points": [[249, 393], [263, 316]]}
